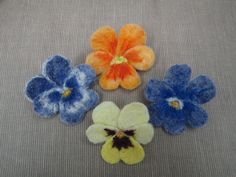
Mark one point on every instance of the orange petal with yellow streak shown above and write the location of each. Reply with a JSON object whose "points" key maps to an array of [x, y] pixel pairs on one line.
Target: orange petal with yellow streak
{"points": [[130, 35], [141, 57], [104, 39], [99, 61]]}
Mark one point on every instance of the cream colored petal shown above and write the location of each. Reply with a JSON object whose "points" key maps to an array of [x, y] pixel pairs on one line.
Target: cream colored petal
{"points": [[106, 113], [133, 114], [144, 133], [96, 133]]}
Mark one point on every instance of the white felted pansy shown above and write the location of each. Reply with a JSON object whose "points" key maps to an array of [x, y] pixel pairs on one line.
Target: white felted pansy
{"points": [[122, 131]]}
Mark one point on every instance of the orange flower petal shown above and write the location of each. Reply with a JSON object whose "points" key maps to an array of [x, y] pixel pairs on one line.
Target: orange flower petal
{"points": [[120, 74], [104, 39], [141, 57], [130, 36], [99, 61], [130, 78], [109, 80]]}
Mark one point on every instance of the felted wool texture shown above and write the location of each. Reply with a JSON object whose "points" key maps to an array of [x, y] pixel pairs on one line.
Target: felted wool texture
{"points": [[116, 57], [200, 33], [175, 101], [63, 88], [122, 131]]}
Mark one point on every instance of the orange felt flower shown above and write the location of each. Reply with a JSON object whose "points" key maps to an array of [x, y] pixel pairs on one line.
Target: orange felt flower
{"points": [[117, 57]]}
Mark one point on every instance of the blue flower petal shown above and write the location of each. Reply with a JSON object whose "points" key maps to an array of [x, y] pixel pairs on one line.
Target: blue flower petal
{"points": [[74, 110], [83, 75], [56, 69], [174, 127], [154, 112], [46, 104], [195, 115], [178, 76], [201, 89], [36, 86], [161, 114], [156, 90]]}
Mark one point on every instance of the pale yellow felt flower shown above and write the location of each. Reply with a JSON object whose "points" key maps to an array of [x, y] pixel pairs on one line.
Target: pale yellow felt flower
{"points": [[122, 131]]}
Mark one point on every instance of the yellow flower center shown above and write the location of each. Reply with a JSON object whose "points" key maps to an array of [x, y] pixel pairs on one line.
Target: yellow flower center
{"points": [[118, 60], [175, 104], [66, 93], [120, 134]]}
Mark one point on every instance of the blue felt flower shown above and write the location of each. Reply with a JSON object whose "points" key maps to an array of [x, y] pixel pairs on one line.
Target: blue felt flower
{"points": [[62, 88], [176, 100]]}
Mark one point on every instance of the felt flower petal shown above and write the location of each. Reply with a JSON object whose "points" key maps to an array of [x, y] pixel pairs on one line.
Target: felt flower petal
{"points": [[156, 90], [96, 133], [195, 115], [155, 118], [129, 77], [36, 86], [104, 39], [46, 104], [130, 36], [132, 155], [178, 76], [106, 113], [141, 57], [133, 114], [144, 133], [99, 61], [82, 75], [174, 126], [109, 80], [56, 69], [201, 89], [73, 110], [110, 154]]}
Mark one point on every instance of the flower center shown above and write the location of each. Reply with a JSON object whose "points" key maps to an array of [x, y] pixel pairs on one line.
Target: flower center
{"points": [[120, 134], [175, 103], [118, 60], [67, 92]]}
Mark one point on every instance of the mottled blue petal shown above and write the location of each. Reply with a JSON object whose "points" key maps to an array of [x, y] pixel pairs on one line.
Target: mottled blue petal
{"points": [[178, 76], [154, 112], [74, 111], [156, 90], [201, 89], [195, 115], [46, 104], [82, 75], [56, 69], [174, 127], [36, 86]]}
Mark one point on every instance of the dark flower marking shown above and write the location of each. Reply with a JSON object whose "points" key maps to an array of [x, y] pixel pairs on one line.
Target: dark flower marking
{"points": [[121, 138], [110, 132]]}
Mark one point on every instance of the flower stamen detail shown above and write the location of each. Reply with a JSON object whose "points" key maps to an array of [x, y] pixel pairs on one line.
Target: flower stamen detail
{"points": [[67, 92], [120, 134], [175, 103], [118, 60]]}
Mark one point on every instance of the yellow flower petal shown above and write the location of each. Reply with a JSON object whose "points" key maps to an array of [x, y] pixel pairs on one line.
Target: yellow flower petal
{"points": [[133, 114], [132, 155], [144, 133], [110, 154], [97, 134], [106, 113]]}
